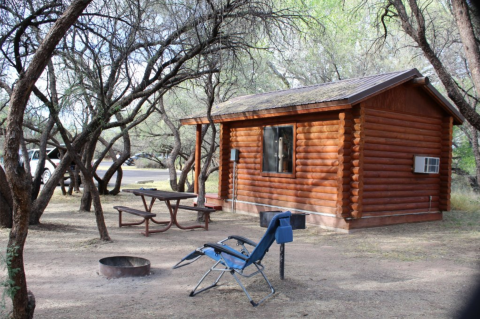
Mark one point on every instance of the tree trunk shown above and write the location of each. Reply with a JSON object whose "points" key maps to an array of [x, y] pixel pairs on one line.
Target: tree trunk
{"points": [[39, 204], [476, 153], [86, 201], [95, 197], [18, 181], [187, 167], [6, 202], [210, 87], [87, 157]]}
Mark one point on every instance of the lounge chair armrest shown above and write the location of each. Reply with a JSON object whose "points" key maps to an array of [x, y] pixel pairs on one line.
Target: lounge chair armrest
{"points": [[242, 240], [220, 248]]}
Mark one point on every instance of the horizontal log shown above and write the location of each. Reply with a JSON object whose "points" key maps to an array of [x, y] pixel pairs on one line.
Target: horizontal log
{"points": [[241, 166], [316, 162], [316, 156], [249, 150], [317, 149], [404, 117], [253, 196], [385, 167], [245, 129], [290, 186], [318, 129], [317, 123], [390, 174], [246, 139], [242, 145], [403, 136], [388, 163], [400, 142], [399, 193], [315, 136], [285, 192], [414, 213], [245, 134], [400, 180], [318, 176], [399, 129], [251, 160], [401, 187], [294, 205], [401, 123], [317, 143], [401, 149], [399, 200], [316, 169], [383, 154], [298, 180], [404, 206]]}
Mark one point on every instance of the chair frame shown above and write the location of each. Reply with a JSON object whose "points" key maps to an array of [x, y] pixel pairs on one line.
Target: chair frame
{"points": [[221, 253], [234, 273]]}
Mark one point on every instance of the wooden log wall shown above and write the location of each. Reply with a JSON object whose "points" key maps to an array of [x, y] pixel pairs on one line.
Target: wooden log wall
{"points": [[356, 194], [314, 187], [391, 140], [223, 172], [446, 163], [345, 137]]}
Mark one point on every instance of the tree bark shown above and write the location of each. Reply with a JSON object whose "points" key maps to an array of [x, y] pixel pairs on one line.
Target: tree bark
{"points": [[39, 204], [467, 35], [473, 136], [418, 34], [6, 202], [18, 180]]}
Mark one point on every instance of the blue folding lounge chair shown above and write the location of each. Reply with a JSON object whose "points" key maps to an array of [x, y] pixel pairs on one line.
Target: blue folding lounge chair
{"points": [[234, 261]]}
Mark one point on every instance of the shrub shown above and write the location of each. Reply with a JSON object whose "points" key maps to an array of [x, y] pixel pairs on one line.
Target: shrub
{"points": [[466, 201]]}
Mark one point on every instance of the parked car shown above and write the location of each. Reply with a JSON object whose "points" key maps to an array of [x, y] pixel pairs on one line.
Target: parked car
{"points": [[141, 155], [34, 156], [55, 157]]}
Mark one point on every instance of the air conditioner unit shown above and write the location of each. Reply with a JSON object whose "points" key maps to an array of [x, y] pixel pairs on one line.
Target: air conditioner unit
{"points": [[426, 164]]}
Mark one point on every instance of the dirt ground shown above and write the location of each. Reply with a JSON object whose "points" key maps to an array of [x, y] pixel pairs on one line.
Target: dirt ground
{"points": [[422, 270]]}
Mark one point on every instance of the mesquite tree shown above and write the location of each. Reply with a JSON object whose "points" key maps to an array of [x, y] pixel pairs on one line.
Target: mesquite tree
{"points": [[17, 179], [437, 30]]}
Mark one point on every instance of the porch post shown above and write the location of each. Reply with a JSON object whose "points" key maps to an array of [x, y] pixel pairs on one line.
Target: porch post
{"points": [[198, 155]]}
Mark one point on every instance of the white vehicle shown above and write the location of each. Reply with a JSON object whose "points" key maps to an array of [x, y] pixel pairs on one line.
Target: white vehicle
{"points": [[53, 154]]}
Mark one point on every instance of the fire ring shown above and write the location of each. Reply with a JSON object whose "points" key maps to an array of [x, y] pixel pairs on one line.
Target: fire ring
{"points": [[124, 266]]}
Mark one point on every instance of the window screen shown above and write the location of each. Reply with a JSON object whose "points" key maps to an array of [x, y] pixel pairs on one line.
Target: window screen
{"points": [[432, 164], [278, 149]]}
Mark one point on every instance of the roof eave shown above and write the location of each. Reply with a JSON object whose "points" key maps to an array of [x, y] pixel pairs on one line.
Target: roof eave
{"points": [[274, 112], [446, 105]]}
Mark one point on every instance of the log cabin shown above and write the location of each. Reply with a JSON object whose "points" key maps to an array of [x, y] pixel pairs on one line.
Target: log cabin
{"points": [[351, 154]]}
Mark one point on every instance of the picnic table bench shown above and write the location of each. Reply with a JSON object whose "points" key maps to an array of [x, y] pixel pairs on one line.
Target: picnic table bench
{"points": [[205, 210], [146, 216], [172, 208]]}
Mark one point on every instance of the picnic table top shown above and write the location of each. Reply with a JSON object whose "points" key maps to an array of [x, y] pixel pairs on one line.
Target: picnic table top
{"points": [[162, 195]]}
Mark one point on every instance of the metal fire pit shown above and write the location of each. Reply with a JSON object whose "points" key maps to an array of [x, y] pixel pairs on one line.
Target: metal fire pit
{"points": [[124, 266]]}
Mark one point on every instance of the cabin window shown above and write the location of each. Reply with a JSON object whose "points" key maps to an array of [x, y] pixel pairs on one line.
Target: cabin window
{"points": [[278, 149]]}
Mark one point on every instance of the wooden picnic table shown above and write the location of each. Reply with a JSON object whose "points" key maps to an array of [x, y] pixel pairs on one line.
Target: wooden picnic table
{"points": [[171, 199]]}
